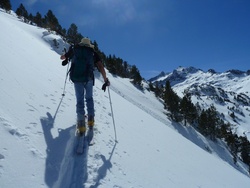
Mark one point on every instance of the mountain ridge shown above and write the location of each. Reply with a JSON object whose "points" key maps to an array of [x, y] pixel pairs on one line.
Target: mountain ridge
{"points": [[190, 70], [226, 90]]}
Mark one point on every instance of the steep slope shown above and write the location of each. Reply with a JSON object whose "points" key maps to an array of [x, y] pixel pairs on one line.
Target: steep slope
{"points": [[37, 128]]}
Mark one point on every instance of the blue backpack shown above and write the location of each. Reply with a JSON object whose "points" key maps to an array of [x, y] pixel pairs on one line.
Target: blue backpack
{"points": [[82, 65]]}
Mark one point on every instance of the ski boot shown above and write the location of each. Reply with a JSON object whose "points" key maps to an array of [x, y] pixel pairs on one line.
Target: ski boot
{"points": [[81, 127], [90, 133], [91, 122]]}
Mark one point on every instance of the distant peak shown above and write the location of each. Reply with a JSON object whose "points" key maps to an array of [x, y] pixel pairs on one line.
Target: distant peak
{"points": [[162, 74], [235, 71], [211, 71], [186, 70]]}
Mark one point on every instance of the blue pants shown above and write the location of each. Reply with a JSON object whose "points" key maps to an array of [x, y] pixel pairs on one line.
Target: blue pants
{"points": [[84, 91]]}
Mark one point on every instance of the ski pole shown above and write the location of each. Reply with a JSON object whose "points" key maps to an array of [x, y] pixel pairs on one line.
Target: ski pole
{"points": [[112, 116], [63, 94]]}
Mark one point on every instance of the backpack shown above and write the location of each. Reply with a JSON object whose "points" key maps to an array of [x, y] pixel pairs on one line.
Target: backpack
{"points": [[82, 65]]}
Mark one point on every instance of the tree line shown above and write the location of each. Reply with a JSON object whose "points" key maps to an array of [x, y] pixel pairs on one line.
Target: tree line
{"points": [[115, 65], [209, 122]]}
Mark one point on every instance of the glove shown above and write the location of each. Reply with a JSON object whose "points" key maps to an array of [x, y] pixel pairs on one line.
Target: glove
{"points": [[65, 62], [107, 83]]}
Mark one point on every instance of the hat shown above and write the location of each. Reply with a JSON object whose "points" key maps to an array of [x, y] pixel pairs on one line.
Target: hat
{"points": [[86, 42]]}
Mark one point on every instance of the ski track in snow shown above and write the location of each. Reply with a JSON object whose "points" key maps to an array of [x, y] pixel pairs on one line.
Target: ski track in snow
{"points": [[73, 171]]}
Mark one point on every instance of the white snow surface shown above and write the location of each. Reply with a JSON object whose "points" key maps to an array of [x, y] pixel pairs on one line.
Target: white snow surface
{"points": [[37, 128]]}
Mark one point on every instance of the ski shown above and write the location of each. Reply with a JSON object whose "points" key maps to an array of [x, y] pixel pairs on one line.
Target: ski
{"points": [[90, 135], [80, 144], [83, 141]]}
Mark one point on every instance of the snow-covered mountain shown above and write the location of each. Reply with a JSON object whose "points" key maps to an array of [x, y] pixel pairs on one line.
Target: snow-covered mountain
{"points": [[37, 127], [227, 91]]}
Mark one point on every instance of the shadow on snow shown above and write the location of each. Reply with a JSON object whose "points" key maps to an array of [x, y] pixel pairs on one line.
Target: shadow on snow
{"points": [[102, 171], [63, 167]]}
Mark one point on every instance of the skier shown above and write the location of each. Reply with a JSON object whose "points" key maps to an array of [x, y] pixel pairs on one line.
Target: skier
{"points": [[84, 58]]}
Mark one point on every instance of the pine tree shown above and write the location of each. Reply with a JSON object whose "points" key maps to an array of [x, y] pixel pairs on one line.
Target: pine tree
{"points": [[38, 19], [188, 109], [63, 32], [233, 143], [223, 129], [119, 67], [31, 17], [125, 69], [151, 86], [244, 149], [22, 12], [73, 36], [51, 21], [5, 4], [135, 75], [203, 123], [172, 102], [110, 64], [208, 122], [213, 122]]}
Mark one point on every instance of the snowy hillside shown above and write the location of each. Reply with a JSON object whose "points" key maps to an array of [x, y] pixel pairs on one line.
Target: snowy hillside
{"points": [[37, 128]]}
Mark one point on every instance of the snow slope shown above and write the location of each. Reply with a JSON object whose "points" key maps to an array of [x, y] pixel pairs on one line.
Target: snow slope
{"points": [[37, 128]]}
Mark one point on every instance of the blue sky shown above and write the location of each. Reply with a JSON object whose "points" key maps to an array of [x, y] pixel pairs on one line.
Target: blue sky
{"points": [[160, 35]]}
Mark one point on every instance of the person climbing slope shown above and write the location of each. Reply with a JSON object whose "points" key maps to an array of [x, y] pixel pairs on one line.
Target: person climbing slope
{"points": [[83, 60]]}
